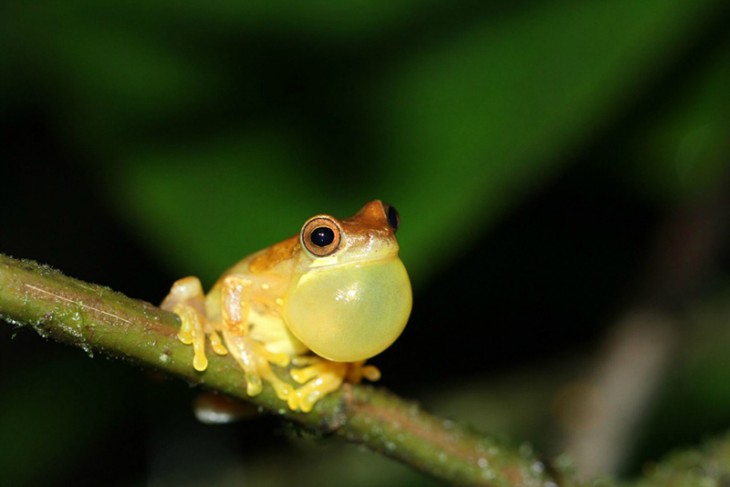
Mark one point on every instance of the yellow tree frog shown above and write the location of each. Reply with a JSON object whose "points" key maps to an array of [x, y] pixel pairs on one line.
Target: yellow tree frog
{"points": [[324, 300]]}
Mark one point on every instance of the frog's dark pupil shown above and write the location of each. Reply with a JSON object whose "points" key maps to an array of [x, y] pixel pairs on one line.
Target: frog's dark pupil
{"points": [[393, 218], [322, 236]]}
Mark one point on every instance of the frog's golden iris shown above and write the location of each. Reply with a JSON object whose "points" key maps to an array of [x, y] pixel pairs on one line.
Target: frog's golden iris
{"points": [[337, 289]]}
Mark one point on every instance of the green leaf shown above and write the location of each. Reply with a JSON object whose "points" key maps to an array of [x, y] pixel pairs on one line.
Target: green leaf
{"points": [[684, 153], [467, 123]]}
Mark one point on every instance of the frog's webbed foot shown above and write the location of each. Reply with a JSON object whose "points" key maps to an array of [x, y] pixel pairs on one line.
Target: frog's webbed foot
{"points": [[255, 359], [187, 300], [319, 379], [321, 376]]}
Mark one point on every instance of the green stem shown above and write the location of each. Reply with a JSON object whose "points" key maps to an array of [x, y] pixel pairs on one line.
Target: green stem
{"points": [[96, 318]]}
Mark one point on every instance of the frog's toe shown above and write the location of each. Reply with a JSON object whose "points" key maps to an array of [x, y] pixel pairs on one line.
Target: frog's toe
{"points": [[191, 333], [305, 397], [302, 399], [280, 359], [282, 389], [185, 335], [371, 373], [358, 370], [319, 380], [200, 361], [306, 373], [254, 358], [216, 343], [253, 385], [295, 401]]}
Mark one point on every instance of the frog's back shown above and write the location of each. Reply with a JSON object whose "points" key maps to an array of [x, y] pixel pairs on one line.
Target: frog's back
{"points": [[267, 272], [277, 259]]}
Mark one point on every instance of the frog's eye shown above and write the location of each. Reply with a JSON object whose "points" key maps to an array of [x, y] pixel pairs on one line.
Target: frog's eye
{"points": [[321, 236], [393, 217]]}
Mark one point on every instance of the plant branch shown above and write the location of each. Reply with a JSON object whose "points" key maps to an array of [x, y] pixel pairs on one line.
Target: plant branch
{"points": [[98, 319]]}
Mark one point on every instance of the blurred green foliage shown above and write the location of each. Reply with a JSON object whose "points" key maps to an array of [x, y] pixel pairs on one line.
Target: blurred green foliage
{"points": [[213, 129]]}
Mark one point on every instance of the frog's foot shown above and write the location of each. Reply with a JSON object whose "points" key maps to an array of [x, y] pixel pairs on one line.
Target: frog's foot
{"points": [[358, 370], [319, 379], [187, 300], [321, 376], [255, 359]]}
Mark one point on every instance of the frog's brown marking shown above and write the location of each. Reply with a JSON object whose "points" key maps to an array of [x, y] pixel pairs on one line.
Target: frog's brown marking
{"points": [[269, 258], [370, 220]]}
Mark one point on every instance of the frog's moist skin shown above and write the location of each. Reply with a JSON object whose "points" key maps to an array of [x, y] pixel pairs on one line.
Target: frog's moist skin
{"points": [[324, 301]]}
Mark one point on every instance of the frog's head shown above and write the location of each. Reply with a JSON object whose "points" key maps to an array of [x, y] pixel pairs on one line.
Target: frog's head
{"points": [[351, 296]]}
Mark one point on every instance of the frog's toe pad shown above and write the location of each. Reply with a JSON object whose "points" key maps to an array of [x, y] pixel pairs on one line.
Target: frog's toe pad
{"points": [[303, 400], [253, 384], [319, 380]]}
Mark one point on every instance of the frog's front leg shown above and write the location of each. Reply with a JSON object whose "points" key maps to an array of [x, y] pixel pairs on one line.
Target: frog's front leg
{"points": [[322, 376], [187, 300], [252, 356]]}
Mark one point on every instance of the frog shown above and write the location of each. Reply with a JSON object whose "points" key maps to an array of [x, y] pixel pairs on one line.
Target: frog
{"points": [[316, 305]]}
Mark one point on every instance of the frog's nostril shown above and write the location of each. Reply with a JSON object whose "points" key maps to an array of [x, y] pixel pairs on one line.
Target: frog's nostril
{"points": [[393, 217]]}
